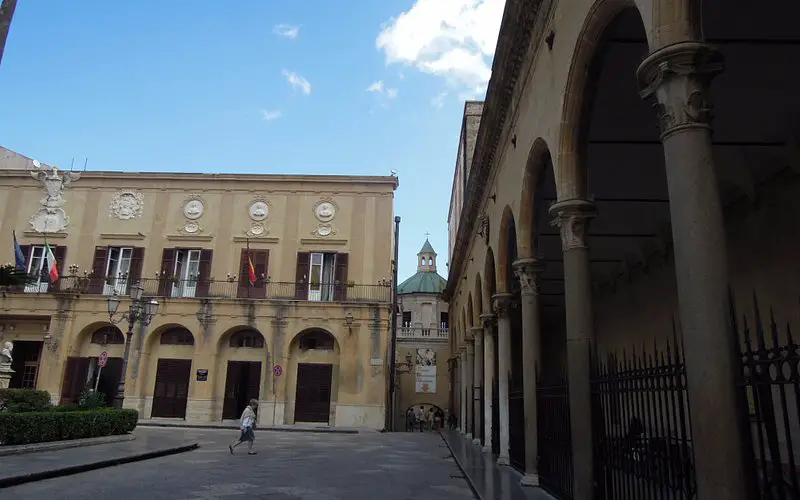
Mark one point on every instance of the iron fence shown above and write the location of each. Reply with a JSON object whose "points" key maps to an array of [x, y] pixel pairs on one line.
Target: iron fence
{"points": [[769, 396], [554, 436], [643, 438], [219, 289]]}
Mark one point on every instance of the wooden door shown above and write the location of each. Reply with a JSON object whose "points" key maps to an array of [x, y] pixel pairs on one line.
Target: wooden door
{"points": [[75, 375], [109, 379], [242, 383], [172, 388], [312, 401]]}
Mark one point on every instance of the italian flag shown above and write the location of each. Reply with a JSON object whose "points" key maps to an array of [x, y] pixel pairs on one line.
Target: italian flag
{"points": [[52, 265]]}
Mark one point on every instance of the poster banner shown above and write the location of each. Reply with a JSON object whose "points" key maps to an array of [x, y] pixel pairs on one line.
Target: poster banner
{"points": [[425, 371]]}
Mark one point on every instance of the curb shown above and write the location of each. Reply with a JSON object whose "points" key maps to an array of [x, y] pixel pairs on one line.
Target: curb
{"points": [[461, 468], [24, 449], [235, 427], [77, 469]]}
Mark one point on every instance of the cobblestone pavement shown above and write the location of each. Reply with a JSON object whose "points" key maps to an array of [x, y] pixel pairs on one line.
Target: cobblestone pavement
{"points": [[367, 466]]}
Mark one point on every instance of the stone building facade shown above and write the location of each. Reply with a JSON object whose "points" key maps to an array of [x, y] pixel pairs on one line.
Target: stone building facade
{"points": [[423, 350], [607, 220], [306, 334]]}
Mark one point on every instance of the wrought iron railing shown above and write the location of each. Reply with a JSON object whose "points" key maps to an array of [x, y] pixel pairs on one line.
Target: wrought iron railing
{"points": [[219, 289], [643, 437], [554, 435], [413, 332], [769, 398]]}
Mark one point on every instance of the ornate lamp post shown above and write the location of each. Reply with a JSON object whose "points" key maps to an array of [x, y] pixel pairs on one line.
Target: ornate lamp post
{"points": [[141, 310]]}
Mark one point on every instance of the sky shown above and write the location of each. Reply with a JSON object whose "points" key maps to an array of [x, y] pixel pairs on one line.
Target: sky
{"points": [[349, 87]]}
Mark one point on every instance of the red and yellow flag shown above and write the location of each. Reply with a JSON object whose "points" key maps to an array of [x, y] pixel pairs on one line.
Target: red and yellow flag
{"points": [[252, 270]]}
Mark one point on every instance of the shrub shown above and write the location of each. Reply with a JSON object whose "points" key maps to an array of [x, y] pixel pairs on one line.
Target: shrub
{"points": [[23, 400], [44, 426], [90, 399]]}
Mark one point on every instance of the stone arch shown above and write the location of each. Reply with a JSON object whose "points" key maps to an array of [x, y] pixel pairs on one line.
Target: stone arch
{"points": [[243, 366], [508, 251], [312, 349], [470, 311], [154, 337], [533, 209], [489, 281], [173, 343], [83, 340], [462, 334], [478, 300], [571, 182]]}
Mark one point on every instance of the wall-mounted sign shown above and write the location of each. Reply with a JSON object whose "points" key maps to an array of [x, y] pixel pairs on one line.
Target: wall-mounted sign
{"points": [[277, 370], [202, 375]]}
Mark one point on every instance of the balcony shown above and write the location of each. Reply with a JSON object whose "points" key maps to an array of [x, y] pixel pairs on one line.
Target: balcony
{"points": [[262, 289], [422, 333]]}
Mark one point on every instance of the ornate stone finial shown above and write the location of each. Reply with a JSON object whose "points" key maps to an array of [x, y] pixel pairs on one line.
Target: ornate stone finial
{"points": [[488, 319], [527, 271], [502, 303], [51, 218], [572, 218], [5, 354], [679, 76]]}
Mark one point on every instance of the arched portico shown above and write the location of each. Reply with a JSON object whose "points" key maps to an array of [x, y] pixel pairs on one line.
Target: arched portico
{"points": [[82, 370], [242, 371], [312, 378], [166, 377]]}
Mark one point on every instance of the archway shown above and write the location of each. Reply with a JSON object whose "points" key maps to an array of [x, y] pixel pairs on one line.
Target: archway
{"points": [[82, 368], [242, 369], [491, 388], [171, 353], [479, 433], [313, 377]]}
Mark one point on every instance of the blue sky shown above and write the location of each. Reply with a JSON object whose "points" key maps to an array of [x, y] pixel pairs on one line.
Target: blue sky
{"points": [[357, 87]]}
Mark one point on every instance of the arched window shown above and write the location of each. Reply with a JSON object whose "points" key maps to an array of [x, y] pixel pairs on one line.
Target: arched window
{"points": [[177, 336], [108, 335], [317, 339], [247, 338]]}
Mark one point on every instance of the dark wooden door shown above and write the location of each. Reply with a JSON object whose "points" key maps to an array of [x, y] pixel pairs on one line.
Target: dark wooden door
{"points": [[313, 398], [109, 378], [242, 383], [75, 375], [172, 388]]}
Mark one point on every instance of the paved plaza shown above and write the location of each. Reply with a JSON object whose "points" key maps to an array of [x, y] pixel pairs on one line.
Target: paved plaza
{"points": [[308, 466]]}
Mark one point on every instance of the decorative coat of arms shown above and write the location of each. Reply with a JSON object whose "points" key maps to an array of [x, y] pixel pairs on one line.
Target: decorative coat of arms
{"points": [[126, 204], [194, 207], [51, 218], [325, 209]]}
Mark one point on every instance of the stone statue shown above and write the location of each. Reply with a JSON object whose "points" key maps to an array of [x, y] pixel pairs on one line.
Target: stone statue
{"points": [[5, 354], [51, 217]]}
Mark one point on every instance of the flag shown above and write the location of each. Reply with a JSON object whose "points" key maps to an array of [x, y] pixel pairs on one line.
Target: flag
{"points": [[19, 257], [52, 265], [252, 271]]}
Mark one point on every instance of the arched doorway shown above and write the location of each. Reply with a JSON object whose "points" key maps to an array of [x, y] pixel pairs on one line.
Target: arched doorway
{"points": [[490, 345], [313, 376], [173, 354], [240, 357], [83, 372]]}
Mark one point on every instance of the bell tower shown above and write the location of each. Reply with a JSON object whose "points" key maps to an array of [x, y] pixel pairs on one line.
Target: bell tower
{"points": [[426, 258]]}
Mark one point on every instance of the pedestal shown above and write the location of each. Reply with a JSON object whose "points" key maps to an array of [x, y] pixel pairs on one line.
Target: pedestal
{"points": [[5, 375]]}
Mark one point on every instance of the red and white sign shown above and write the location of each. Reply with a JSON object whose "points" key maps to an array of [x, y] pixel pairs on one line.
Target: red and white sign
{"points": [[277, 370], [103, 359]]}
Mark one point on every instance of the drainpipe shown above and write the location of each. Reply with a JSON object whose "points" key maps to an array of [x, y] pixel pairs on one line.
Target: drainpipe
{"points": [[390, 416]]}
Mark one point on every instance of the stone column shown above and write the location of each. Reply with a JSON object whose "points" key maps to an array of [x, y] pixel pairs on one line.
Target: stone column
{"points": [[487, 320], [468, 384], [462, 387], [572, 217], [502, 302], [477, 384], [678, 77], [527, 271]]}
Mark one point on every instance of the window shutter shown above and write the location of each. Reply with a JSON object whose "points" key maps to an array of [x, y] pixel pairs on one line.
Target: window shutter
{"points": [[135, 274], [260, 263], [340, 277], [98, 270], [204, 280], [167, 266], [301, 276], [244, 275], [60, 252]]}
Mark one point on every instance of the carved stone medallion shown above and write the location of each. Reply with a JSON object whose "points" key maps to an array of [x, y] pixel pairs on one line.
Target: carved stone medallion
{"points": [[191, 227], [258, 210], [323, 230], [126, 204], [256, 230], [325, 209], [193, 207]]}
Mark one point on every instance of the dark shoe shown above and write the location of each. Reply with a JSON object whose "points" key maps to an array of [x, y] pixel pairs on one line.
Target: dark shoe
{"points": [[252, 453], [230, 447]]}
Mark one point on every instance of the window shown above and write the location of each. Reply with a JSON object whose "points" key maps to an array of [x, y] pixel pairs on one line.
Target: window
{"points": [[318, 340], [260, 260], [321, 276], [37, 268], [184, 272], [406, 318], [443, 320], [247, 338], [108, 335], [115, 269], [177, 336]]}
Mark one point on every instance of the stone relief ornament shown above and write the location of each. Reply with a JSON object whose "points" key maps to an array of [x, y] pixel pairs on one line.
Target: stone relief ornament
{"points": [[257, 229], [259, 209], [323, 230], [126, 204], [5, 354], [191, 227], [51, 218], [193, 207], [325, 209]]}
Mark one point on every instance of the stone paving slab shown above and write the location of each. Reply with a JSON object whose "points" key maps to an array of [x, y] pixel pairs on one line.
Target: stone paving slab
{"points": [[234, 424], [16, 470], [488, 480], [21, 449]]}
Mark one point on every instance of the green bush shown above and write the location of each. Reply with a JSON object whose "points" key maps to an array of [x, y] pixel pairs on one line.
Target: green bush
{"points": [[44, 426], [23, 400]]}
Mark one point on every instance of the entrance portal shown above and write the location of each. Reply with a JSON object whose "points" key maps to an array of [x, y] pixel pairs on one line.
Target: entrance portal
{"points": [[172, 388], [313, 396], [242, 383], [25, 364]]}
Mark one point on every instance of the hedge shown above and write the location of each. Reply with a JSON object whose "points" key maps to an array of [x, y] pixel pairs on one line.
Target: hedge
{"points": [[45, 426], [23, 400]]}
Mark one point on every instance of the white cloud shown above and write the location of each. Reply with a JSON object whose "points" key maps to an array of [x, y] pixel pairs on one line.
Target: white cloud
{"points": [[286, 30], [376, 86], [453, 39], [380, 88], [391, 93], [270, 114], [297, 81]]}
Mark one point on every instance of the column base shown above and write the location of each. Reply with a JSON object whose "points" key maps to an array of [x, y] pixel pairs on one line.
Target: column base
{"points": [[529, 480], [468, 436], [503, 460], [487, 449], [476, 441], [461, 431]]}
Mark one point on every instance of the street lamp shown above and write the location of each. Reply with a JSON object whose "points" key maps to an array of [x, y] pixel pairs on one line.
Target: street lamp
{"points": [[141, 310]]}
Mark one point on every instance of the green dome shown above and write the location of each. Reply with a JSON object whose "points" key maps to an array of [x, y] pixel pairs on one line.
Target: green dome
{"points": [[423, 282]]}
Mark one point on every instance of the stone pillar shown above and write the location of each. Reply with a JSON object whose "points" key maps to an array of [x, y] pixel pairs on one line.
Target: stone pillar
{"points": [[572, 217], [5, 375], [502, 302], [462, 387], [487, 320], [468, 384], [527, 270], [678, 77], [477, 384]]}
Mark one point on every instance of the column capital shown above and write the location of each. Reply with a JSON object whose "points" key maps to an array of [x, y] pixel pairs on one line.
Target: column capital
{"points": [[477, 332], [462, 349], [572, 218], [678, 76], [502, 303], [488, 319], [528, 271]]}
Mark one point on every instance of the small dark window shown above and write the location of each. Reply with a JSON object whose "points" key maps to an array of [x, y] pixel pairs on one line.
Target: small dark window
{"points": [[177, 336], [406, 318], [319, 340], [247, 338], [108, 335], [444, 319]]}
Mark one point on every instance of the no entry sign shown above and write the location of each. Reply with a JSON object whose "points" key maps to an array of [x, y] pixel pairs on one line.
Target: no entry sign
{"points": [[103, 359], [277, 370]]}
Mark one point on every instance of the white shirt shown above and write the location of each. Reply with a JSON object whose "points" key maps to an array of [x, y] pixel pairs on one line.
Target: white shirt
{"points": [[248, 417]]}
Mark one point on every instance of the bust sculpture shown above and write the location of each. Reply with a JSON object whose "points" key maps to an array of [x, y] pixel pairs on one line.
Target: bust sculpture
{"points": [[5, 354]]}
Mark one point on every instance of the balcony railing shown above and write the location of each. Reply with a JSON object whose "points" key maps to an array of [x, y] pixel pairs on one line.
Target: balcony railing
{"points": [[262, 289], [416, 332]]}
